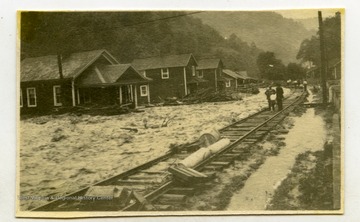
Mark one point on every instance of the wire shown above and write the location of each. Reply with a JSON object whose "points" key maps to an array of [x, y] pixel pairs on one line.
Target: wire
{"points": [[165, 18], [86, 30]]}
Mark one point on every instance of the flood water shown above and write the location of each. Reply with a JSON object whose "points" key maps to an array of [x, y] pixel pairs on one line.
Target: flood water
{"points": [[308, 133]]}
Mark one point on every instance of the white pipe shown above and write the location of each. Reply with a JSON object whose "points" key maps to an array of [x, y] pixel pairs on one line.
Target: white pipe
{"points": [[73, 92]]}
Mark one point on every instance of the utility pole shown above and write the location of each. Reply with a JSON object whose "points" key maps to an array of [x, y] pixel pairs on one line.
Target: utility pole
{"points": [[323, 58]]}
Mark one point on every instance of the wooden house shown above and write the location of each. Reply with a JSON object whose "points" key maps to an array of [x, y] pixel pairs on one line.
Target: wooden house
{"points": [[210, 69], [172, 75], [93, 78], [229, 80]]}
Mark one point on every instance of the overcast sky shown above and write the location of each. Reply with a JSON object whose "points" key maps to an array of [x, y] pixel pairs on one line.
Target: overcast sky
{"points": [[307, 13]]}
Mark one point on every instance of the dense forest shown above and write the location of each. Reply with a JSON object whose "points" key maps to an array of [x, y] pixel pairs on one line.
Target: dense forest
{"points": [[129, 35], [268, 30]]}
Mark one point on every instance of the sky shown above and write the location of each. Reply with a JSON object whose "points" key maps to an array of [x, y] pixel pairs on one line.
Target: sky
{"points": [[307, 13]]}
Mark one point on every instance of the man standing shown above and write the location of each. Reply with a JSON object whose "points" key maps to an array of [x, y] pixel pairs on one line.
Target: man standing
{"points": [[268, 94], [305, 85], [279, 96]]}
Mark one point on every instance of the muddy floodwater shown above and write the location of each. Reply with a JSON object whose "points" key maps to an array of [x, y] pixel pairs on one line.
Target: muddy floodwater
{"points": [[307, 134]]}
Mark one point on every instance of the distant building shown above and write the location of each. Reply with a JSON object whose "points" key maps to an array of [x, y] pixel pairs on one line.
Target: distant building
{"points": [[88, 78], [210, 69], [172, 75], [334, 69]]}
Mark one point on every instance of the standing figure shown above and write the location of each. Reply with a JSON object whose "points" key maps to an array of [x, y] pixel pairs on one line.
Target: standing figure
{"points": [[269, 92], [305, 85], [279, 96]]}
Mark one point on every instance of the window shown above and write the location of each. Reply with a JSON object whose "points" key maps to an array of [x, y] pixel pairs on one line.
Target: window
{"points": [[201, 74], [165, 73], [193, 70], [57, 95], [144, 90], [228, 83], [21, 98], [31, 97]]}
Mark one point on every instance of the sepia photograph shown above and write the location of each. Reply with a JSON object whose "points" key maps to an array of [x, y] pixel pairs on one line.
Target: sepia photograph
{"points": [[147, 113]]}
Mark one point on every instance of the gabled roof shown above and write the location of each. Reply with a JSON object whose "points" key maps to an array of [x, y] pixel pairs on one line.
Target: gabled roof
{"points": [[162, 62], [232, 74], [209, 63], [112, 73], [46, 67], [109, 75]]}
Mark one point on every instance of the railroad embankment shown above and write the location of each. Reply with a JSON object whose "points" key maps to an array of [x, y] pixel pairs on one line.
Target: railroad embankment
{"points": [[314, 180], [291, 169]]}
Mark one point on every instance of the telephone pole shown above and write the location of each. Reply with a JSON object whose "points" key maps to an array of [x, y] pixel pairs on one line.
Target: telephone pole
{"points": [[323, 58]]}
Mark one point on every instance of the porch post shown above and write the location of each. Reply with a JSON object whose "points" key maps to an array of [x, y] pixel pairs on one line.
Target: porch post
{"points": [[73, 92], [135, 96], [120, 95], [215, 79], [148, 89], [131, 92], [78, 96], [185, 81]]}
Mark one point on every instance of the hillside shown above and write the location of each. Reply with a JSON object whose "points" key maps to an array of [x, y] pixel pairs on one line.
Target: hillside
{"points": [[130, 35], [310, 24], [268, 30]]}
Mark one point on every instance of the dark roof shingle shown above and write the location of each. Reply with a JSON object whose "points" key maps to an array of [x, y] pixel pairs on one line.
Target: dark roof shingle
{"points": [[46, 67], [208, 63], [232, 74], [162, 62]]}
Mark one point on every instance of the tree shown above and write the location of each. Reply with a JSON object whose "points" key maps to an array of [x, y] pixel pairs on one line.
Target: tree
{"points": [[270, 67], [295, 71], [310, 48]]}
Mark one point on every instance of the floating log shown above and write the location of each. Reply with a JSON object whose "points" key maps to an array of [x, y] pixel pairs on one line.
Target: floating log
{"points": [[203, 153], [196, 157], [187, 175], [209, 137]]}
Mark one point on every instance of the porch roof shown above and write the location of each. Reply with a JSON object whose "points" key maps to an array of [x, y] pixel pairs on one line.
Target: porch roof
{"points": [[232, 74], [115, 75]]}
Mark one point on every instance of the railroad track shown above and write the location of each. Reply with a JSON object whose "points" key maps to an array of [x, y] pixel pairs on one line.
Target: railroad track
{"points": [[154, 185]]}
